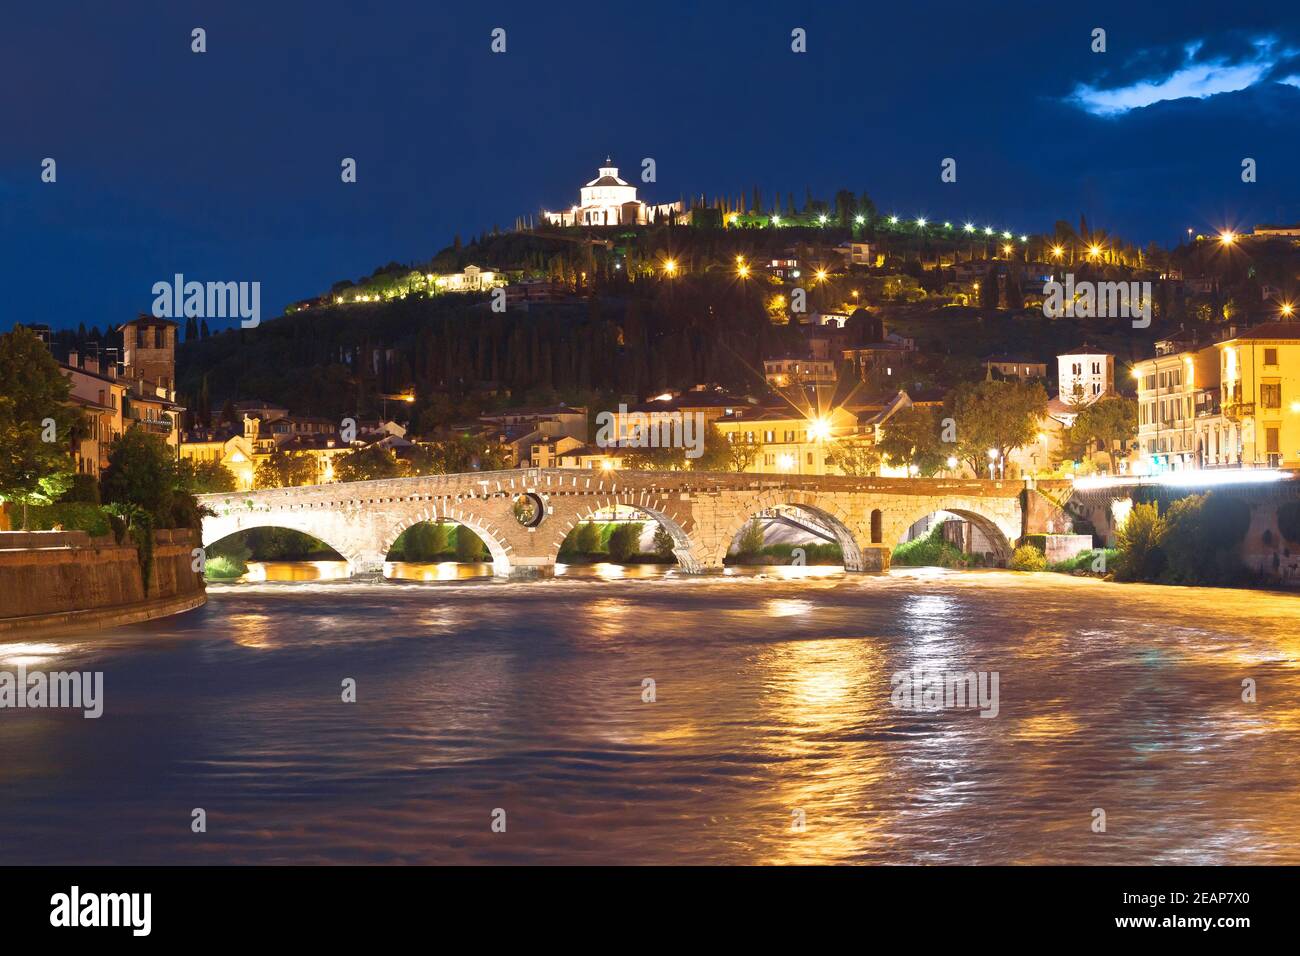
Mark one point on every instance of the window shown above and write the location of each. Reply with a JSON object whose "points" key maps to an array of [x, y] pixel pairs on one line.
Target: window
{"points": [[1271, 441], [1270, 356], [1270, 395], [876, 529]]}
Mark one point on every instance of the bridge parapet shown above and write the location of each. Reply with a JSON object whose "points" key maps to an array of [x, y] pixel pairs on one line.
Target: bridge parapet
{"points": [[703, 511]]}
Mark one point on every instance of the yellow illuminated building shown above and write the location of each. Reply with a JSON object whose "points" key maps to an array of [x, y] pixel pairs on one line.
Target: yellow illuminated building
{"points": [[1259, 389]]}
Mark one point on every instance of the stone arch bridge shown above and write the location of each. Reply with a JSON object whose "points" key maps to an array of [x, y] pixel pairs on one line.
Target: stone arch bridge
{"points": [[702, 511]]}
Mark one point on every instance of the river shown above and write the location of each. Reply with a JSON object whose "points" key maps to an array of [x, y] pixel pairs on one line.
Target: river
{"points": [[771, 738]]}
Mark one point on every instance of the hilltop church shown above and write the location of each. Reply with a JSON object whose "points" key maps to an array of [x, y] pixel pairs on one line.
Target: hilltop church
{"points": [[610, 201]]}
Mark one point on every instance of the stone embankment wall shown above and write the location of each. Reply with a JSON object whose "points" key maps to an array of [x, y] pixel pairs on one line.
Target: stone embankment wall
{"points": [[52, 580]]}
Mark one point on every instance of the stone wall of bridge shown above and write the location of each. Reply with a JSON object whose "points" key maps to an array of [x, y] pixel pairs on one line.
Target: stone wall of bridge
{"points": [[702, 511]]}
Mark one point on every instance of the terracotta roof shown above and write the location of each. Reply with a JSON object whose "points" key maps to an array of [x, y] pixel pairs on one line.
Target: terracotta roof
{"points": [[1272, 330]]}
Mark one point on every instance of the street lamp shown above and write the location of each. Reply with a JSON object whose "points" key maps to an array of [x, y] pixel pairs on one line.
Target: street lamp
{"points": [[995, 460], [670, 266]]}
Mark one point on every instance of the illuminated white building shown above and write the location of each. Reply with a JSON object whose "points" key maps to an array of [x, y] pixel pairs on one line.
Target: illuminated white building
{"points": [[473, 279], [610, 201], [1084, 375]]}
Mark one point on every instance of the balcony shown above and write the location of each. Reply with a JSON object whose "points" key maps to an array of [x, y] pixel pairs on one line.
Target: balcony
{"points": [[1236, 411], [163, 427]]}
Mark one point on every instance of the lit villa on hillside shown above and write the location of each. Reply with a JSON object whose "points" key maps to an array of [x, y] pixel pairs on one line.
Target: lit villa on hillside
{"points": [[610, 201]]}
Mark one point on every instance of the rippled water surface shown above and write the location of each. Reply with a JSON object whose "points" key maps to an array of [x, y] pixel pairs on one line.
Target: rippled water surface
{"points": [[773, 696]]}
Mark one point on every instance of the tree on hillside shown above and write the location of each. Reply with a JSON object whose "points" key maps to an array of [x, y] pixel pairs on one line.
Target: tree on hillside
{"points": [[717, 451], [911, 437], [1015, 296], [989, 289], [143, 478], [284, 469], [454, 455], [1107, 422], [857, 457], [205, 477], [997, 416], [742, 452], [367, 464], [37, 425]]}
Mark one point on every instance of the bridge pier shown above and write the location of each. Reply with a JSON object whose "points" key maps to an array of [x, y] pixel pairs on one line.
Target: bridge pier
{"points": [[367, 567], [523, 568], [875, 559]]}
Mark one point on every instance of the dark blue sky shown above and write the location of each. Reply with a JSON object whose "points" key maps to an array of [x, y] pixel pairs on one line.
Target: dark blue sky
{"points": [[225, 165]]}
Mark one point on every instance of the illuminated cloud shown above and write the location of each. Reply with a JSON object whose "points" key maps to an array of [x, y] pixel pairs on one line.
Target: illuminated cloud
{"points": [[1197, 79]]}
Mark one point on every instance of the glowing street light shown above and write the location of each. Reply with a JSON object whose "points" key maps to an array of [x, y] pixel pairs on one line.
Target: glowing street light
{"points": [[819, 429], [1057, 252], [969, 227], [821, 275], [670, 266], [776, 220], [1007, 249], [988, 230], [821, 219], [742, 270], [920, 221], [1227, 237], [1287, 309], [1094, 251], [893, 220], [859, 219]]}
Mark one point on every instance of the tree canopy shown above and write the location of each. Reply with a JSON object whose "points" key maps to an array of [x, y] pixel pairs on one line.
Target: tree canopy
{"points": [[37, 425]]}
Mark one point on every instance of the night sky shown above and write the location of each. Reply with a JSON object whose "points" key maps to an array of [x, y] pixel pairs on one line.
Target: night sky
{"points": [[225, 165]]}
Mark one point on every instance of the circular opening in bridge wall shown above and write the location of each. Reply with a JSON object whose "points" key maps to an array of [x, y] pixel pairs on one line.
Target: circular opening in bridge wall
{"points": [[529, 510]]}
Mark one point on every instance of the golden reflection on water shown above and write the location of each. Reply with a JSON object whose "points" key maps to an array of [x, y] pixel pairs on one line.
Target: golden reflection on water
{"points": [[822, 692], [436, 570], [24, 654], [257, 631], [1046, 727]]}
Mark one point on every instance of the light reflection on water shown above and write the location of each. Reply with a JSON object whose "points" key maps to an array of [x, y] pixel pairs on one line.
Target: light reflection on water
{"points": [[772, 696]]}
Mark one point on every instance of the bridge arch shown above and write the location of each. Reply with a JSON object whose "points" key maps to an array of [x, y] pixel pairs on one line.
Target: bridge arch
{"points": [[216, 530], [825, 509], [685, 548], [1002, 531], [488, 531]]}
